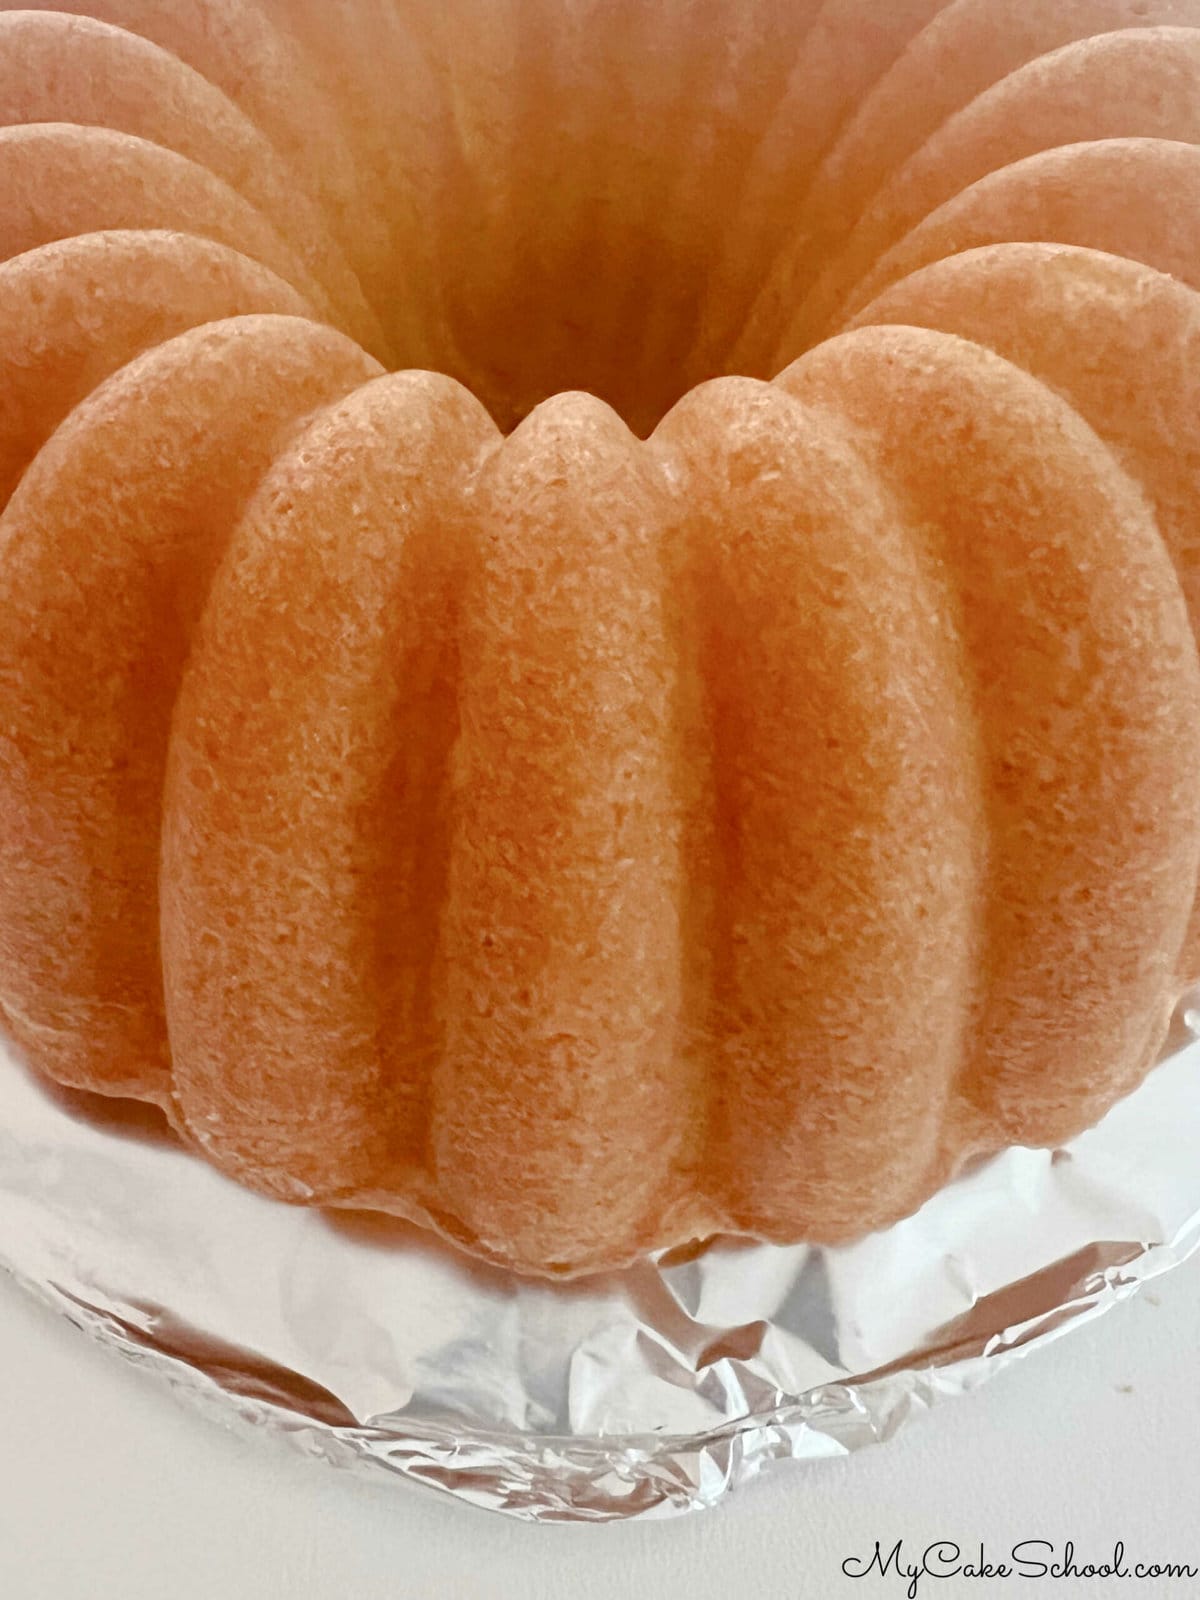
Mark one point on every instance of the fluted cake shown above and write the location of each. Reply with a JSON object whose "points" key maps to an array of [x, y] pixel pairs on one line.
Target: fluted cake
{"points": [[598, 598]]}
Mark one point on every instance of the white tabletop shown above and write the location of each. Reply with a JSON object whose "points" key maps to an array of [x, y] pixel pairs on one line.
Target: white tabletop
{"points": [[110, 1487]]}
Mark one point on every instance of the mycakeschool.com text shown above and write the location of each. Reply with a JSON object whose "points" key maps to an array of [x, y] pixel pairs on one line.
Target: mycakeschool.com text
{"points": [[1024, 1561]]}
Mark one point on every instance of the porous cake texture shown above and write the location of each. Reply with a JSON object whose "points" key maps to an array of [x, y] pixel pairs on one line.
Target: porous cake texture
{"points": [[598, 598]]}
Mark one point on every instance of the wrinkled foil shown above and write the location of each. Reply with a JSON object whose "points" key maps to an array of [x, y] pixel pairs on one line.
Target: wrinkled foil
{"points": [[638, 1394]]}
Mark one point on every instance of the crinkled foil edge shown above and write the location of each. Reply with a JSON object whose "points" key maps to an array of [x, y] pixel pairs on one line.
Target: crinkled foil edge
{"points": [[555, 1476]]}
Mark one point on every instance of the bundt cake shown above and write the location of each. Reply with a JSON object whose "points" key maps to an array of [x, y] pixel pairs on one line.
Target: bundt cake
{"points": [[598, 598]]}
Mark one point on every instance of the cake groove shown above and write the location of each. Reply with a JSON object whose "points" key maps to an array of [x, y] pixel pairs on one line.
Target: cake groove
{"points": [[834, 665], [331, 586]]}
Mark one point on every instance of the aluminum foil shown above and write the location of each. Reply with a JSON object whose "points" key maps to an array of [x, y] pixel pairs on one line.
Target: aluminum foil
{"points": [[638, 1394]]}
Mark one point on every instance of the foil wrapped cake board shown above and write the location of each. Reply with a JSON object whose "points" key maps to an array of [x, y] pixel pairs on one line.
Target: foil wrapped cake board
{"points": [[638, 1394]]}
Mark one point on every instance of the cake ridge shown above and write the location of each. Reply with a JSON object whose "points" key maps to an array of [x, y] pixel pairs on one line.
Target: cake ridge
{"points": [[87, 716], [963, 49], [237, 48], [1152, 210], [940, 371], [105, 298], [54, 176], [77, 70], [1025, 113]]}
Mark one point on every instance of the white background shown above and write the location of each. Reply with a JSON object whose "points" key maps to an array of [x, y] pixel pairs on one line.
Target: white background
{"points": [[109, 1488]]}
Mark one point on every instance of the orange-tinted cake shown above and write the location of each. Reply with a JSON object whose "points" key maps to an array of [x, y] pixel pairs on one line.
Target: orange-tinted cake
{"points": [[598, 597]]}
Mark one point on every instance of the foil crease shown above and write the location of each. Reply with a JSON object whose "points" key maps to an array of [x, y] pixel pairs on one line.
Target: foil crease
{"points": [[639, 1394]]}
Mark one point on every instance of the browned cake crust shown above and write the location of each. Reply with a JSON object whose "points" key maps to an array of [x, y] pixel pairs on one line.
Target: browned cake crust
{"points": [[588, 821]]}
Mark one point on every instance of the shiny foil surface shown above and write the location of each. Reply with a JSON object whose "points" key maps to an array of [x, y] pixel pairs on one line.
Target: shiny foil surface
{"points": [[638, 1394]]}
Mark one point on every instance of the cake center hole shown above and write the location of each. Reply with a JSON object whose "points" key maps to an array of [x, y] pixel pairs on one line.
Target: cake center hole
{"points": [[634, 319], [622, 257]]}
